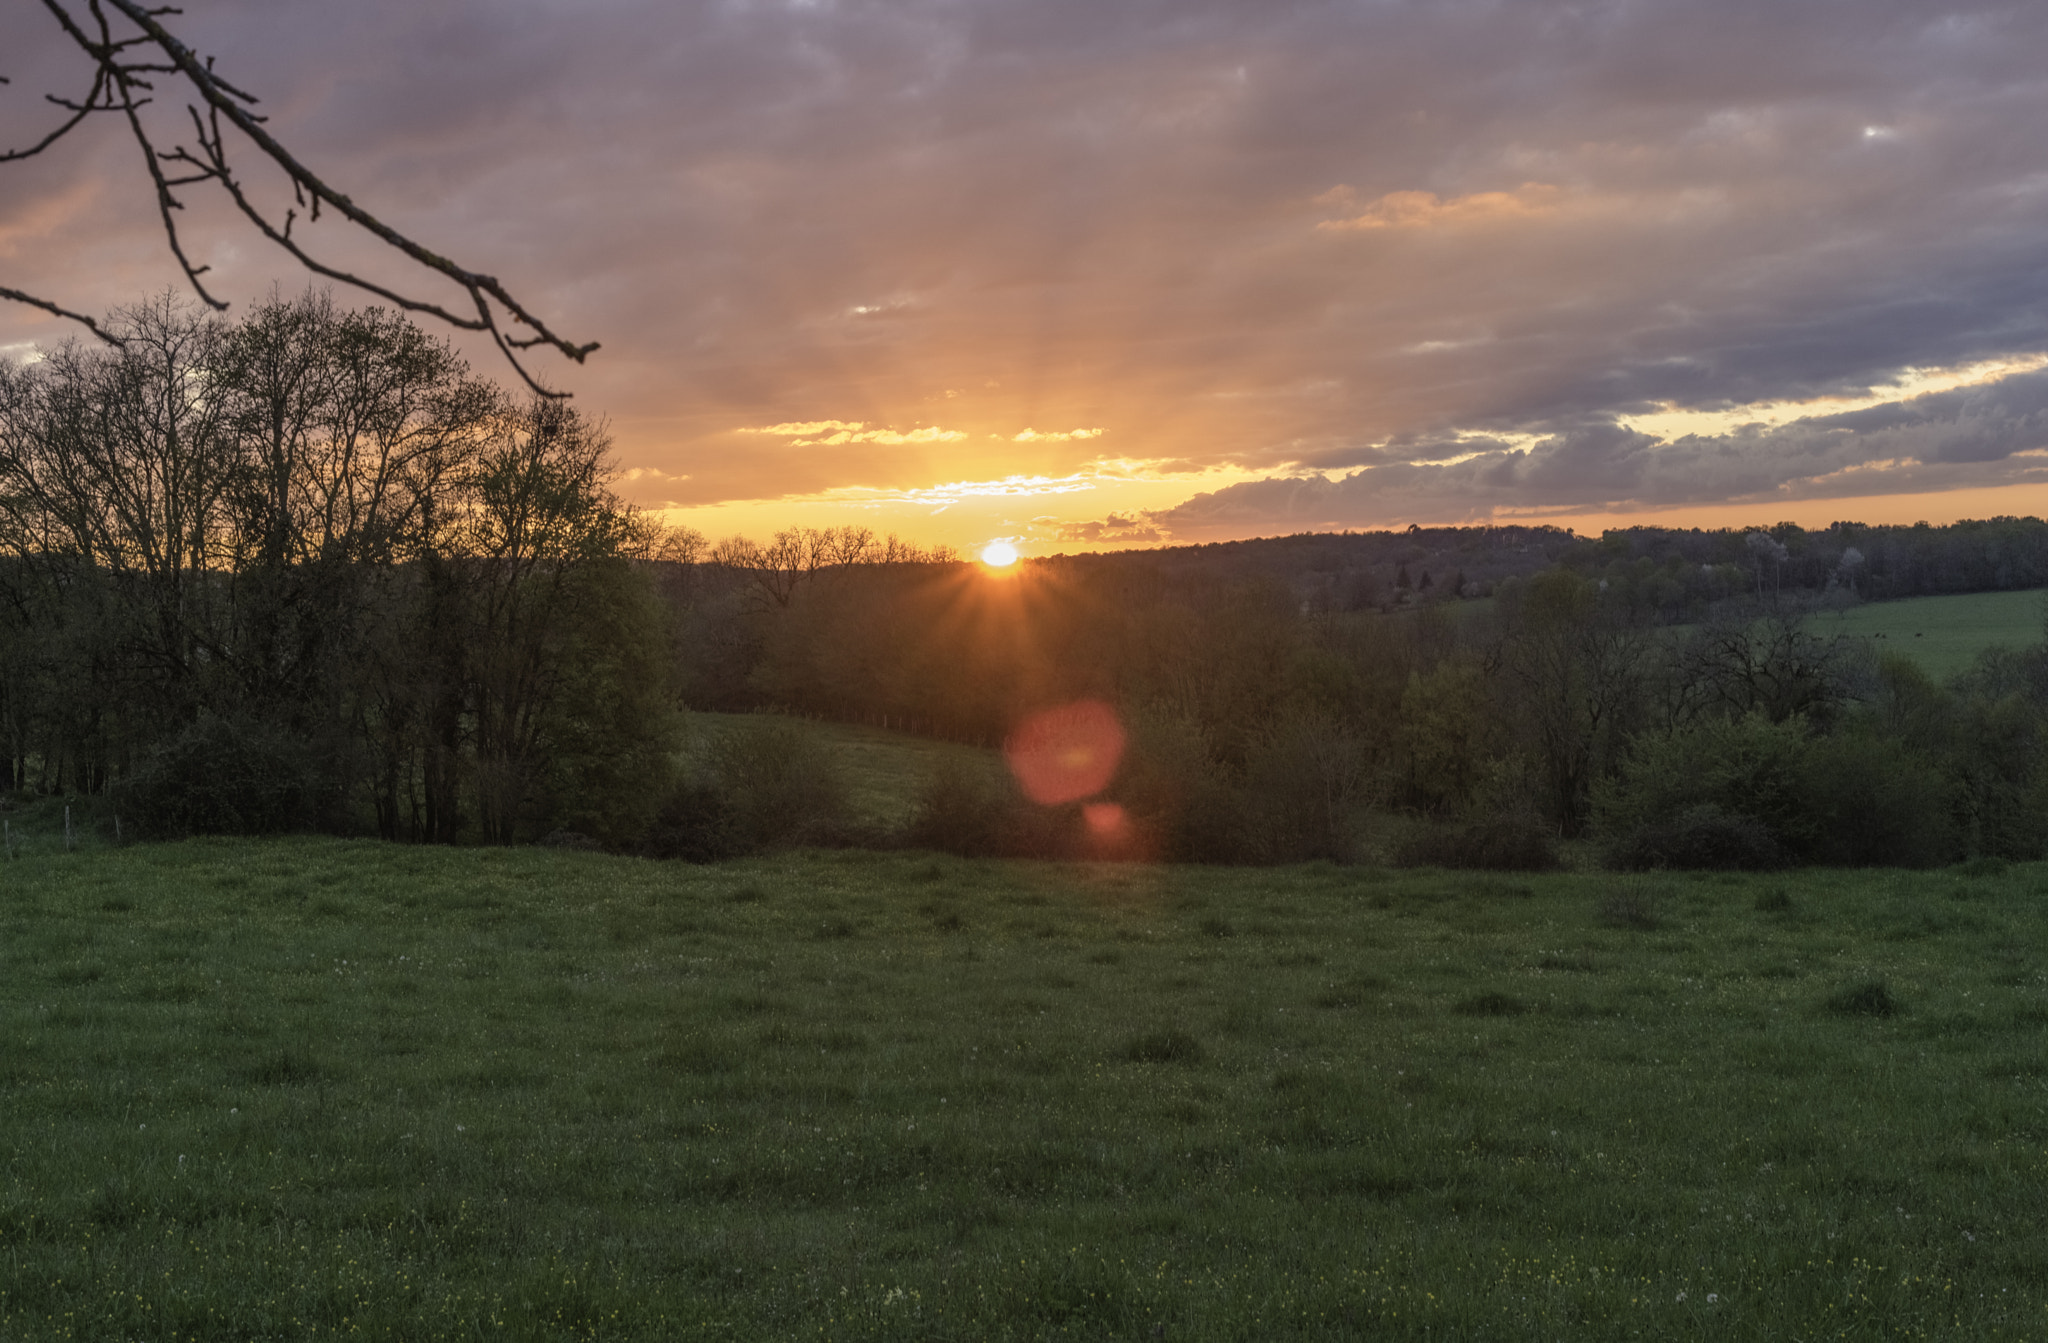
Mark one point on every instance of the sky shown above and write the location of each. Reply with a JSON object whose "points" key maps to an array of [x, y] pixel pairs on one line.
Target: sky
{"points": [[1096, 275]]}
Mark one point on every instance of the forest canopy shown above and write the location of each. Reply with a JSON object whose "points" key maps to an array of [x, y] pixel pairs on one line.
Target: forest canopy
{"points": [[255, 573]]}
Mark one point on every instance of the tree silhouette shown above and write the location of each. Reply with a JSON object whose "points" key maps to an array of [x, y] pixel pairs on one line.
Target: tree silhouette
{"points": [[131, 51]]}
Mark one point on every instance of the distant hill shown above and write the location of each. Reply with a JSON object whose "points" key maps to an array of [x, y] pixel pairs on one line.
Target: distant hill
{"points": [[1680, 571]]}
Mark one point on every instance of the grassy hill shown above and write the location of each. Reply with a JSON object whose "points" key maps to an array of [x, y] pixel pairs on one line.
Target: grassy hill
{"points": [[1943, 634], [886, 772], [308, 1088]]}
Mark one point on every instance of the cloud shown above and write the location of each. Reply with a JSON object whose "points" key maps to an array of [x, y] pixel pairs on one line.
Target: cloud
{"points": [[1114, 529], [1556, 220], [929, 434], [1034, 436], [802, 428], [1425, 209], [1995, 433], [834, 433]]}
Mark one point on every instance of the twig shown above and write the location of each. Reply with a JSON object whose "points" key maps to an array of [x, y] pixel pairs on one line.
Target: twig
{"points": [[122, 82]]}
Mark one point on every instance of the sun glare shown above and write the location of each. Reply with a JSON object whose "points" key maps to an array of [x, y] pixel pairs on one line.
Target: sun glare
{"points": [[999, 554]]}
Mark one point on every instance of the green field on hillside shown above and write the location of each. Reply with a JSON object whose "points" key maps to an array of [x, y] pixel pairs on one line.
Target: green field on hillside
{"points": [[1943, 634], [886, 772], [311, 1088]]}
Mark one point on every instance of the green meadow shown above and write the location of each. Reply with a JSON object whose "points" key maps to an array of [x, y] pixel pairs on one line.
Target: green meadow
{"points": [[316, 1088], [885, 773], [1943, 634]]}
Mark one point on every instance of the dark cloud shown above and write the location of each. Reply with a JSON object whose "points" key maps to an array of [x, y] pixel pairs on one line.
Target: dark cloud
{"points": [[1406, 257], [1116, 529], [1986, 435]]}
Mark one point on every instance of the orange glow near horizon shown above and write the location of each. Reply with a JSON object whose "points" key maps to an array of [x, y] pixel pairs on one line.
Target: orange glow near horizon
{"points": [[999, 554]]}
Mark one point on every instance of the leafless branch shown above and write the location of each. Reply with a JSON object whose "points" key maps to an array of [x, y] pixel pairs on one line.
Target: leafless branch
{"points": [[124, 67], [16, 296]]}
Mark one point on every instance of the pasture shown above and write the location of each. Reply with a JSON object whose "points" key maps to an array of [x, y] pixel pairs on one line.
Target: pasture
{"points": [[316, 1088], [885, 772], [1943, 634]]}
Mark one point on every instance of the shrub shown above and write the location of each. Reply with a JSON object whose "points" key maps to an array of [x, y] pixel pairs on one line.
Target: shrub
{"points": [[1164, 1047], [1871, 999], [1700, 837], [781, 786], [1747, 766], [766, 785], [965, 811], [1305, 774], [1173, 785], [229, 776], [1752, 794], [1491, 1005], [694, 823], [1498, 844], [1631, 907], [1876, 803]]}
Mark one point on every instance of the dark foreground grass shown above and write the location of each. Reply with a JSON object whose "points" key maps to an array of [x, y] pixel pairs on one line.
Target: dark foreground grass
{"points": [[307, 1089]]}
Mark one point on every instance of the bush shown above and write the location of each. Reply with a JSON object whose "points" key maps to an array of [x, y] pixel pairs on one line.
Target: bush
{"points": [[1498, 844], [1749, 767], [1305, 775], [1753, 794], [781, 785], [1629, 907], [1700, 837], [228, 776], [695, 824], [767, 785], [964, 811], [1175, 787], [1871, 999], [1875, 803]]}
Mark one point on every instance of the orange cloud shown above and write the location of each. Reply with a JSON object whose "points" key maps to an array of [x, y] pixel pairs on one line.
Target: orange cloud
{"points": [[1427, 210], [1033, 436]]}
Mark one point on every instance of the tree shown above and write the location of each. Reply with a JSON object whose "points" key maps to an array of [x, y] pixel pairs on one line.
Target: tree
{"points": [[311, 540], [130, 52], [1769, 664], [539, 514], [1573, 666]]}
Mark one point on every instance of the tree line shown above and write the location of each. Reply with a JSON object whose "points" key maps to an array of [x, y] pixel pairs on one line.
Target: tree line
{"points": [[1264, 727], [305, 570]]}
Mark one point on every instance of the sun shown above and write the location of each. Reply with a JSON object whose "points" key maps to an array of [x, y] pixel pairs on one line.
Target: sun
{"points": [[999, 554]]}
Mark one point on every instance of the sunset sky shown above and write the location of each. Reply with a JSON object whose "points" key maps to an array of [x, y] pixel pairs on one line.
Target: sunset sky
{"points": [[1086, 273]]}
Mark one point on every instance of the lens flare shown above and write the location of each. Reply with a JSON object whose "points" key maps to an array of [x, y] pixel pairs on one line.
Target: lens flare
{"points": [[1065, 754], [999, 554], [1106, 819]]}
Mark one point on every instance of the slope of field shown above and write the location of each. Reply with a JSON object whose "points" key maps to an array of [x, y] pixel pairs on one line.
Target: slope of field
{"points": [[308, 1088], [886, 772], [1943, 634]]}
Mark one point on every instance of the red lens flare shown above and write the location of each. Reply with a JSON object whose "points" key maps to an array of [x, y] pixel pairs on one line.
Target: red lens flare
{"points": [[1065, 754], [1105, 819]]}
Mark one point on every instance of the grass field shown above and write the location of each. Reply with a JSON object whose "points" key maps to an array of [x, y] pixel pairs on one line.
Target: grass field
{"points": [[1943, 634], [314, 1088], [886, 772]]}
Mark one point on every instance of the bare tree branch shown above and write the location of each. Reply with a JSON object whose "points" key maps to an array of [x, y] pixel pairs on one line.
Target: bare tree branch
{"points": [[16, 296], [124, 67]]}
